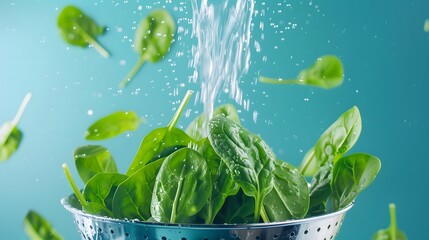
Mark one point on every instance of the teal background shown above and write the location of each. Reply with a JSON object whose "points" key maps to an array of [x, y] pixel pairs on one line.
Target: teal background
{"points": [[382, 44]]}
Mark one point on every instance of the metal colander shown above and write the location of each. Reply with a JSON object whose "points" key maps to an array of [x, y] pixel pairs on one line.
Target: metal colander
{"points": [[92, 227]]}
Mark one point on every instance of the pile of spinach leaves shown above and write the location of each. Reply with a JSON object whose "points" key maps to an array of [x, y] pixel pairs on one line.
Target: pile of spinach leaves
{"points": [[230, 176]]}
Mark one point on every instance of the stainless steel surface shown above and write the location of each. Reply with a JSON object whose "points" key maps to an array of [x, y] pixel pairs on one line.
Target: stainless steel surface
{"points": [[93, 227]]}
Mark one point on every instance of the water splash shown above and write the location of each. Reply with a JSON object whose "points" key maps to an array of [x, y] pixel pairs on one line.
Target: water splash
{"points": [[222, 53]]}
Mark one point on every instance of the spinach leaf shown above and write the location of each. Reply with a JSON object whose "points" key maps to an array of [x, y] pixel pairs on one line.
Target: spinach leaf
{"points": [[289, 198], [392, 232], [327, 72], [182, 187], [334, 142], [100, 188], [38, 228], [351, 175], [113, 125], [10, 135], [152, 41], [154, 144], [88, 207], [248, 158], [320, 192], [197, 129], [237, 209], [223, 184], [93, 159], [426, 26], [78, 29], [133, 196]]}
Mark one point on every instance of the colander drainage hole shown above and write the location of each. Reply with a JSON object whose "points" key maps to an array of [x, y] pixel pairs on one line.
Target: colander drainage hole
{"points": [[164, 238], [292, 234], [111, 231], [258, 237], [329, 226], [318, 229], [127, 234], [100, 230], [276, 236], [306, 232], [336, 224]]}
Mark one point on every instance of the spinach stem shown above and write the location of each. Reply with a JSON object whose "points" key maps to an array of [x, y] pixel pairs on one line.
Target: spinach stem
{"points": [[179, 111], [133, 72], [279, 81], [307, 163], [176, 198], [258, 206], [393, 225], [75, 188], [100, 49], [264, 215], [21, 109]]}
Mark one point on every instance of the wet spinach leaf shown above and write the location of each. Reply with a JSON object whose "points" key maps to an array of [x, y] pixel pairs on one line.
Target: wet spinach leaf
{"points": [[289, 198], [326, 72], [392, 232], [339, 138], [351, 175], [113, 125], [197, 129], [160, 139], [101, 188], [320, 192], [248, 158], [152, 41], [78, 29], [10, 135], [237, 209], [223, 184], [93, 159], [38, 228], [133, 196], [182, 187]]}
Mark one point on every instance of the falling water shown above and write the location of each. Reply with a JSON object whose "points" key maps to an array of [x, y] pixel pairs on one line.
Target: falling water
{"points": [[222, 54]]}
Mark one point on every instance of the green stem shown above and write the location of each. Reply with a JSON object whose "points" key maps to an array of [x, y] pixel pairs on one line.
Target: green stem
{"points": [[307, 162], [393, 225], [176, 199], [21, 109], [264, 215], [89, 39], [258, 206], [133, 72], [179, 111], [279, 81], [75, 188]]}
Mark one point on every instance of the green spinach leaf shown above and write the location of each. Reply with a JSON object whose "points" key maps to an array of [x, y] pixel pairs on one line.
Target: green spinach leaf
{"points": [[113, 125], [154, 144], [182, 187], [289, 198], [334, 142], [351, 175], [93, 159], [78, 29], [38, 228], [327, 72], [10, 135], [248, 158], [223, 184], [426, 26], [238, 209], [133, 196], [152, 41], [392, 232], [100, 188], [198, 127], [320, 192]]}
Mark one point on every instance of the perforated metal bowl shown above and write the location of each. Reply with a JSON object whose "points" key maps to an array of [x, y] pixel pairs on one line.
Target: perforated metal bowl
{"points": [[93, 227]]}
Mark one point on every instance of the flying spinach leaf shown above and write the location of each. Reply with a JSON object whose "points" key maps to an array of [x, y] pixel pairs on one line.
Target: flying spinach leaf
{"points": [[182, 187], [392, 232], [223, 184], [88, 207], [351, 175], [248, 158], [38, 228], [320, 192], [238, 209], [93, 159], [426, 26], [10, 135], [160, 139], [133, 196], [289, 198], [327, 72], [152, 41], [78, 29], [100, 188], [113, 125], [197, 129], [334, 142]]}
